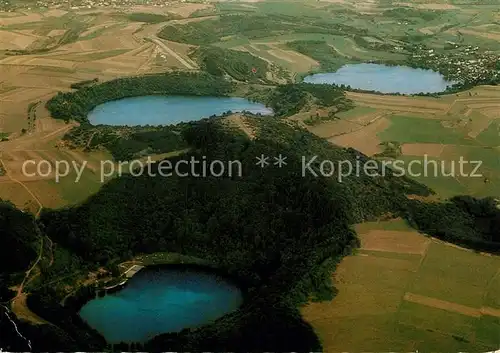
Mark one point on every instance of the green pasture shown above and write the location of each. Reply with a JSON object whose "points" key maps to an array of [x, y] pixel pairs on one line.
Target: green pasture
{"points": [[407, 129], [491, 135], [385, 321], [456, 275], [356, 112]]}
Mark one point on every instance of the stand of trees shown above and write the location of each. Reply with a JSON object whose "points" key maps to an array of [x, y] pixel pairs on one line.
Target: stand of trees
{"points": [[239, 65], [86, 83], [127, 143], [464, 220], [290, 99]]}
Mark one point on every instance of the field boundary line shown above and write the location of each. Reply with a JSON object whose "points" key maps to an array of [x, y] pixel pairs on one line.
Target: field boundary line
{"points": [[442, 304], [411, 281], [361, 127]]}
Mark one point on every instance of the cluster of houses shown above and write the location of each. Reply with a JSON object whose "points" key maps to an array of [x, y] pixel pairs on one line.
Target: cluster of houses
{"points": [[461, 63], [11, 5]]}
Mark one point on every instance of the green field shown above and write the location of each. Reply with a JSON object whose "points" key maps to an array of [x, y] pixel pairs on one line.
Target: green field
{"points": [[448, 273], [371, 313], [406, 129], [490, 136], [445, 186], [357, 111]]}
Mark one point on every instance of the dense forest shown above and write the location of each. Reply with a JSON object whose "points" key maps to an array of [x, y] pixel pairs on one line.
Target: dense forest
{"points": [[464, 220], [17, 238], [278, 231], [127, 143], [290, 99]]}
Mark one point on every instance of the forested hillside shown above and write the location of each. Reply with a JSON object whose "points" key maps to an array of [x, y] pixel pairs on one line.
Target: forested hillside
{"points": [[17, 238], [290, 99], [463, 220], [239, 65], [18, 244], [274, 229], [278, 231]]}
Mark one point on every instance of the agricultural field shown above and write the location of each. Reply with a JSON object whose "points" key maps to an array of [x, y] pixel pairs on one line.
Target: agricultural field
{"points": [[445, 129], [402, 291], [41, 189], [45, 52]]}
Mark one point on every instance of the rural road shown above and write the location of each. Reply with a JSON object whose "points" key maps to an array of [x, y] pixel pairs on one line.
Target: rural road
{"points": [[169, 51]]}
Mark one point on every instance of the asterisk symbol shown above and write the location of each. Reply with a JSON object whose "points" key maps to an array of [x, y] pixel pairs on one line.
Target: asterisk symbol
{"points": [[262, 161], [280, 161]]}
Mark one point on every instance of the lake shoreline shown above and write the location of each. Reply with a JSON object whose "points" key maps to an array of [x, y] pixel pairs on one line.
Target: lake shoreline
{"points": [[163, 110], [384, 79], [86, 293], [226, 296]]}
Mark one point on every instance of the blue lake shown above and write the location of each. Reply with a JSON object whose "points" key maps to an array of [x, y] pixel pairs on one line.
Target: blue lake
{"points": [[160, 300], [385, 79], [167, 110]]}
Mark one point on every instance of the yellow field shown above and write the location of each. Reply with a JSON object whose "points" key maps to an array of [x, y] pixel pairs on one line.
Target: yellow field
{"points": [[405, 292], [364, 139]]}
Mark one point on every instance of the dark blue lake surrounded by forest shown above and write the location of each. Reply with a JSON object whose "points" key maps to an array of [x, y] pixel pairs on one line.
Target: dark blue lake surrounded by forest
{"points": [[160, 300], [167, 110], [384, 79]]}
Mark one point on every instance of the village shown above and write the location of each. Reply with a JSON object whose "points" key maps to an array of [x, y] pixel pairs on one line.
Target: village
{"points": [[460, 64], [10, 6]]}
